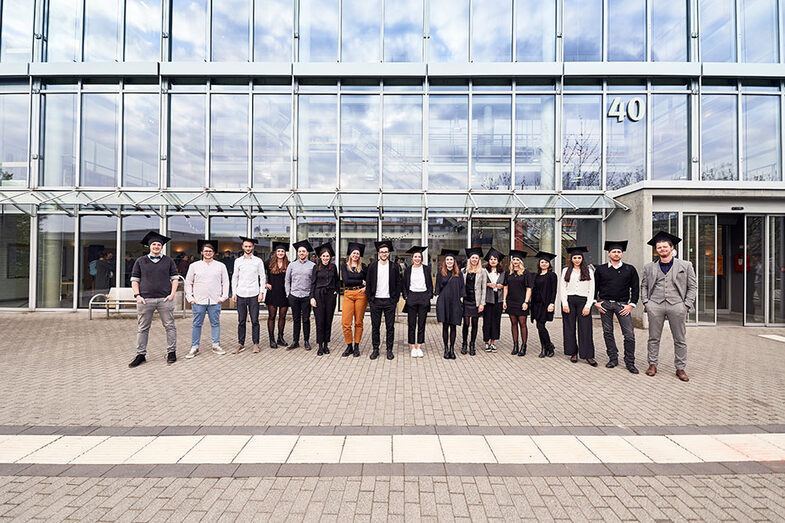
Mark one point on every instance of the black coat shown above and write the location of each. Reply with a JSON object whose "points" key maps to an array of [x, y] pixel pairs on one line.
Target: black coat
{"points": [[543, 294], [449, 305], [407, 278], [396, 282]]}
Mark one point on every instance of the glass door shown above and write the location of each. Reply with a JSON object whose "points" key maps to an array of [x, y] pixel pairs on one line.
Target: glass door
{"points": [[753, 265], [699, 246], [776, 270]]}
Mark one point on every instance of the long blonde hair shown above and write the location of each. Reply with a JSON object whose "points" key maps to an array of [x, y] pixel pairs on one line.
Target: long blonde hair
{"points": [[469, 266], [519, 272]]}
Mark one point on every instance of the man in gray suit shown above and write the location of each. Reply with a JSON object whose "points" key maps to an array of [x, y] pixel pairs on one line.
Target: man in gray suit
{"points": [[668, 290]]}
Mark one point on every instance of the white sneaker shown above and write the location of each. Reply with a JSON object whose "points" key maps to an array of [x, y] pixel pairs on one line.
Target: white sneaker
{"points": [[193, 352], [414, 353], [218, 350], [419, 353]]}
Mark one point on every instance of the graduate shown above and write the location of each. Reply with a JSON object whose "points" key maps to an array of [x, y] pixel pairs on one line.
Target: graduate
{"points": [[353, 275], [276, 301], [577, 295], [249, 284], [475, 279], [494, 296], [324, 293], [449, 304], [517, 297], [417, 292], [546, 284]]}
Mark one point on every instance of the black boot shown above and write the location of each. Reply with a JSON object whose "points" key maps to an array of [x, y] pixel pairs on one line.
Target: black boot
{"points": [[273, 345], [543, 352], [280, 341], [522, 351], [463, 346], [514, 348], [551, 350], [348, 351], [326, 349], [452, 351], [472, 352], [356, 350], [390, 354], [375, 353], [446, 352], [295, 344], [307, 345], [138, 360]]}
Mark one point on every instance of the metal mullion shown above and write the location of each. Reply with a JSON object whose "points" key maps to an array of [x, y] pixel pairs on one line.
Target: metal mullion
{"points": [[604, 32], [39, 29], [740, 160], [82, 15], [32, 284], [471, 37], [696, 125], [121, 21], [603, 137], [744, 255], [558, 107], [559, 32], [294, 55], [381, 139], [338, 141], [381, 31], [649, 142], [294, 147], [426, 33], [716, 233], [514, 29], [470, 120], [117, 250], [77, 239], [693, 28], [250, 134], [208, 29], [737, 31], [163, 135], [647, 30], [119, 178], [166, 31], [251, 30], [79, 94], [513, 129], [208, 134], [340, 33]]}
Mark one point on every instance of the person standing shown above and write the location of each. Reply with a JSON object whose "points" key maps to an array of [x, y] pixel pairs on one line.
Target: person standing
{"points": [[494, 296], [577, 295], [449, 306], [668, 291], [297, 285], [248, 287], [104, 272], [154, 281], [276, 300], [206, 288], [475, 280], [617, 290], [517, 297], [383, 290], [324, 292], [417, 292], [546, 283], [353, 274]]}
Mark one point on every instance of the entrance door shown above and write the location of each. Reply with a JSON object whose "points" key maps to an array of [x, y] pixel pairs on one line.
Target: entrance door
{"points": [[699, 246], [776, 270], [764, 260]]}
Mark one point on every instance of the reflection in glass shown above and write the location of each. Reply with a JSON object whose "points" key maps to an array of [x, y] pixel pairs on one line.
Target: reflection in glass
{"points": [[315, 229], [272, 141], [267, 229], [578, 231], [229, 140], [533, 235], [535, 24], [668, 30], [403, 28], [100, 118], [64, 38], [273, 31], [189, 19], [625, 153], [581, 142], [13, 143], [582, 30], [360, 141], [140, 140], [15, 259], [97, 261], [664, 221], [491, 232], [16, 31], [448, 142], [761, 128], [142, 30], [492, 31], [718, 137], [226, 230], [318, 30], [759, 31], [776, 269], [491, 142], [187, 140], [132, 230], [361, 230], [754, 269], [59, 137], [626, 30], [402, 142], [707, 288], [316, 141], [103, 30], [689, 251], [669, 137], [231, 30], [361, 30], [446, 233], [184, 232], [55, 261], [534, 136], [449, 31], [718, 30], [405, 232]]}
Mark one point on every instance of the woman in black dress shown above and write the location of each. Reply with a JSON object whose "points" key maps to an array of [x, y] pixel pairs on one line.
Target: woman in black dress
{"points": [[449, 308], [417, 293], [544, 300], [276, 301], [517, 296], [492, 314], [324, 292], [474, 280]]}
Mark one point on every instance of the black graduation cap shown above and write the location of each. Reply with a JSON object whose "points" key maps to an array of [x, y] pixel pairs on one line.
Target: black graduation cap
{"points": [[610, 245], [471, 251], [542, 255], [212, 243], [154, 236], [353, 246], [244, 239], [577, 250], [449, 252], [325, 247], [280, 245], [301, 243], [384, 243], [496, 254], [417, 248], [516, 253], [663, 236]]}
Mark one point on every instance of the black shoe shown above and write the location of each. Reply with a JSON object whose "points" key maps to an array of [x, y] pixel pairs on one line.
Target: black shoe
{"points": [[137, 361], [463, 347], [294, 345], [171, 357], [326, 349], [349, 350], [487, 348], [551, 351], [390, 355], [273, 345], [452, 352], [543, 353], [514, 348], [307, 345], [356, 350], [591, 361], [472, 352], [522, 351], [611, 364], [320, 351], [446, 352], [574, 358], [632, 369], [280, 341], [375, 353]]}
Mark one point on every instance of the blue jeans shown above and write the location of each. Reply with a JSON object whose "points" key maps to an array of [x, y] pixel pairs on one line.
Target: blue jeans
{"points": [[214, 313]]}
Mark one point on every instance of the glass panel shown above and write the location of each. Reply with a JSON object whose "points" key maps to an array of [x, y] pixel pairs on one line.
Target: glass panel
{"points": [[491, 232], [133, 229], [626, 30], [403, 28], [668, 30], [13, 139], [231, 30], [360, 141], [777, 269], [140, 139], [317, 142], [63, 43], [577, 231], [55, 260], [361, 30], [533, 235], [718, 137], [184, 232], [142, 30], [491, 142], [581, 147], [535, 23], [14, 260], [316, 229], [405, 232], [582, 30], [272, 146], [718, 30], [759, 31], [229, 141], [100, 118], [670, 159], [186, 140], [273, 31], [445, 233], [689, 248], [103, 30], [226, 230], [449, 31], [267, 229], [626, 142], [16, 30], [492, 31], [754, 269], [318, 30], [534, 137], [360, 230], [97, 263], [706, 274], [189, 30], [761, 128], [664, 221], [402, 142], [448, 142], [59, 137]]}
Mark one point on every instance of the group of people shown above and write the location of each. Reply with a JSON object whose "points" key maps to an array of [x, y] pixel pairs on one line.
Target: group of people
{"points": [[667, 290]]}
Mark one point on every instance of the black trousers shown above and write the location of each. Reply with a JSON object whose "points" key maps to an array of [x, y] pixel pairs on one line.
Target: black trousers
{"points": [[301, 313], [245, 307], [323, 313], [417, 313], [544, 335], [612, 309], [491, 321], [584, 346], [379, 307]]}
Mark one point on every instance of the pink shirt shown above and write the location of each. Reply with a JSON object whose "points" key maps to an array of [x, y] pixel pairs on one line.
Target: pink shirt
{"points": [[207, 283]]}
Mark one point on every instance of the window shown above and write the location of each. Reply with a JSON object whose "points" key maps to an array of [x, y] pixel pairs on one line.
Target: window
{"points": [[402, 142], [64, 36], [272, 141], [535, 22], [761, 128], [582, 30], [581, 145], [491, 142], [361, 22], [718, 30], [103, 31], [625, 141], [758, 22], [55, 261], [449, 30], [187, 140], [14, 259], [16, 30], [97, 260], [534, 141], [100, 119], [492, 31], [670, 159], [317, 147], [59, 139], [142, 30], [403, 28], [448, 142], [140, 140], [718, 137], [229, 141], [13, 139], [273, 31], [189, 22], [231, 30], [626, 30], [360, 141], [318, 30], [668, 30]]}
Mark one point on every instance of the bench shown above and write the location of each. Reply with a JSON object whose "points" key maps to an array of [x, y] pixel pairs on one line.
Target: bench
{"points": [[117, 298]]}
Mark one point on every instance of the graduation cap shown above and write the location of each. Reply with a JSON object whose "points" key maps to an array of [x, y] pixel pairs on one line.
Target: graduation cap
{"points": [[621, 245], [577, 250], [244, 239], [325, 247], [212, 243], [663, 236], [415, 249], [516, 253], [280, 245], [542, 255], [301, 243], [152, 237], [496, 254], [471, 251], [353, 246], [384, 243], [449, 252]]}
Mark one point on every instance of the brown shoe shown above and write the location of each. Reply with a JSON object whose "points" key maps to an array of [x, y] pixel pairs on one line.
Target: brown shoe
{"points": [[682, 375], [238, 349], [255, 348], [652, 370]]}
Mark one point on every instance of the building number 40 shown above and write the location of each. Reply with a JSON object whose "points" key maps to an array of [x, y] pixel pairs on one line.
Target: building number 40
{"points": [[635, 109]]}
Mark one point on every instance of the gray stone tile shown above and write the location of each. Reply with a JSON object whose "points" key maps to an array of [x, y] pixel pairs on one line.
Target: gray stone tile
{"points": [[419, 430], [552, 431], [707, 468], [585, 431], [41, 469], [180, 430], [669, 469], [424, 469], [145, 431], [444, 430], [383, 469], [212, 430], [6, 430], [250, 430], [774, 466], [507, 469], [129, 471], [285, 430], [257, 470], [746, 467], [520, 431], [773, 427], [547, 469], [41, 430], [617, 431], [350, 431], [214, 470], [629, 469], [110, 431], [486, 431], [171, 470], [76, 430], [317, 431], [12, 469], [588, 469], [90, 471], [341, 469], [299, 469], [465, 469], [384, 431]]}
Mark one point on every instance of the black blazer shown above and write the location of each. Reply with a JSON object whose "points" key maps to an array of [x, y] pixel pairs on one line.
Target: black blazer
{"points": [[396, 282], [407, 278]]}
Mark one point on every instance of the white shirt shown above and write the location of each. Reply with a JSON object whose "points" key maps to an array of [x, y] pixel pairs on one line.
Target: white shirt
{"points": [[383, 280], [576, 287], [248, 278], [493, 276], [417, 280], [207, 283], [612, 266]]}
